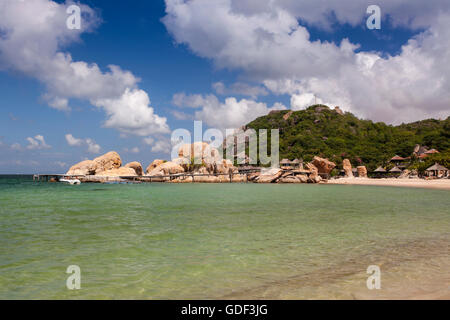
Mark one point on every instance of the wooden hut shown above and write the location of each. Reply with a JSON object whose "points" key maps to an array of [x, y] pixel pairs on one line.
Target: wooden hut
{"points": [[437, 170], [380, 172], [395, 171]]}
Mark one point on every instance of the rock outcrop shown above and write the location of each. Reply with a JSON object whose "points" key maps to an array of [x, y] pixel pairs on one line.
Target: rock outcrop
{"points": [[347, 166], [166, 168], [118, 172], [108, 161], [153, 165], [314, 176], [269, 176], [338, 110], [362, 171], [289, 179], [287, 115], [84, 168], [136, 166], [323, 165]]}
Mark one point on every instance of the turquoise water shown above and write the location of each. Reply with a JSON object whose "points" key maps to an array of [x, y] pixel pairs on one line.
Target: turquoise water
{"points": [[206, 241]]}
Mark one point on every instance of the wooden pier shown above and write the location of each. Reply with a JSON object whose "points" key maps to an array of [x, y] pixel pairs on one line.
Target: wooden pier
{"points": [[138, 179]]}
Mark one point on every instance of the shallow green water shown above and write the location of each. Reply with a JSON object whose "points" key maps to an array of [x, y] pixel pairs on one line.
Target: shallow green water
{"points": [[204, 241]]}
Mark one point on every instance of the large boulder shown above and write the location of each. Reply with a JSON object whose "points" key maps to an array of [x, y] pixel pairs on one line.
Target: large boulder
{"points": [[136, 166], [347, 166], [154, 164], [108, 161], [362, 171], [270, 175], [118, 172], [323, 165], [314, 173], [289, 179], [84, 168], [183, 162], [166, 168]]}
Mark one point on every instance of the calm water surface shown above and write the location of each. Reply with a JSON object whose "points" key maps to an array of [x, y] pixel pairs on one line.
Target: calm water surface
{"points": [[206, 241]]}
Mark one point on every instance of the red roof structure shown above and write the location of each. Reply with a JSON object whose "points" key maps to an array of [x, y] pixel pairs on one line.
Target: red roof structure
{"points": [[397, 158]]}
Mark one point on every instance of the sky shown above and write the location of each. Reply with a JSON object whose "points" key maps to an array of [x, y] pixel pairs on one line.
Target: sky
{"points": [[137, 70]]}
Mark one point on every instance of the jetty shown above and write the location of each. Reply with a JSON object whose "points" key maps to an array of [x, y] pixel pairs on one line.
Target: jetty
{"points": [[146, 178]]}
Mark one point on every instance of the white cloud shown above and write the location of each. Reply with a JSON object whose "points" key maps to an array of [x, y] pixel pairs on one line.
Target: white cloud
{"points": [[230, 114], [159, 144], [92, 147], [265, 40], [37, 143], [131, 113], [33, 35], [74, 142]]}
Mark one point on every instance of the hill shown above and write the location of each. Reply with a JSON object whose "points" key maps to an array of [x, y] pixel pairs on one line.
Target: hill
{"points": [[336, 135]]}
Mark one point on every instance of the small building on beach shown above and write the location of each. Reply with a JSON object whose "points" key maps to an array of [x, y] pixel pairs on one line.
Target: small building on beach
{"points": [[396, 171], [437, 170], [380, 172]]}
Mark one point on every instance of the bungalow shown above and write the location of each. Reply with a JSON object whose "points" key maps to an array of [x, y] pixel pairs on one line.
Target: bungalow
{"points": [[395, 170], [437, 170], [379, 172]]}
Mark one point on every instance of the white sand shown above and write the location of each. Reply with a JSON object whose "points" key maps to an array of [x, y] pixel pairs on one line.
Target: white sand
{"points": [[443, 184]]}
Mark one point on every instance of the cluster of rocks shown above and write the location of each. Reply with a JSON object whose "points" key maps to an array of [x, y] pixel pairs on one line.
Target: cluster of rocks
{"points": [[348, 170], [209, 167], [313, 173]]}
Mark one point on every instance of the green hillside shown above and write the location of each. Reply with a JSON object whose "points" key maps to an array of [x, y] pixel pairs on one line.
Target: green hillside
{"points": [[321, 131]]}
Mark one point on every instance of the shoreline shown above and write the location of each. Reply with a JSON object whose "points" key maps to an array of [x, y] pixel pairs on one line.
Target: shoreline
{"points": [[439, 184]]}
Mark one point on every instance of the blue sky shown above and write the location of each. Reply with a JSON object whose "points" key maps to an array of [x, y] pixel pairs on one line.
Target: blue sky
{"points": [[177, 57]]}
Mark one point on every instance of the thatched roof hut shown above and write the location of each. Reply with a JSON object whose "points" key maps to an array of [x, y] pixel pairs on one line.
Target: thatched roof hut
{"points": [[437, 170], [437, 167], [395, 170], [380, 170]]}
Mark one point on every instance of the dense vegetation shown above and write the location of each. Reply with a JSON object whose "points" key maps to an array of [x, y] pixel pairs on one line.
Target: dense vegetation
{"points": [[321, 131]]}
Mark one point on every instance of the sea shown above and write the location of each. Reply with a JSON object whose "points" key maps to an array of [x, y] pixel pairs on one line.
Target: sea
{"points": [[222, 241]]}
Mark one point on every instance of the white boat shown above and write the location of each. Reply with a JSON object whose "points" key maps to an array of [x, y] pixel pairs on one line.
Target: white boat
{"points": [[70, 181]]}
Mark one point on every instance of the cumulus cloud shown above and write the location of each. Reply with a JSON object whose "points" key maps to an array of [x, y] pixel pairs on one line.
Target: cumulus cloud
{"points": [[90, 144], [227, 115], [159, 144], [33, 35], [266, 41], [37, 143]]}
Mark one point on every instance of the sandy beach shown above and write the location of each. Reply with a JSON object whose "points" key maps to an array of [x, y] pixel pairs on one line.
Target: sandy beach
{"points": [[443, 184]]}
